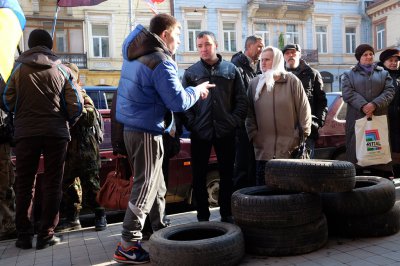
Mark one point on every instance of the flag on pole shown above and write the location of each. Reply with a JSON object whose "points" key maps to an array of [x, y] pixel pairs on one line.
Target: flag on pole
{"points": [[72, 3], [12, 23]]}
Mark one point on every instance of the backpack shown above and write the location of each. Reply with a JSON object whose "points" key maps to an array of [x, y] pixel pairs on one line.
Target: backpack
{"points": [[6, 127], [98, 127]]}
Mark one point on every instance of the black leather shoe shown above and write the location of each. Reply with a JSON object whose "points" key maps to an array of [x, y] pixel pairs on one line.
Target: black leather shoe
{"points": [[24, 242], [44, 243], [100, 223]]}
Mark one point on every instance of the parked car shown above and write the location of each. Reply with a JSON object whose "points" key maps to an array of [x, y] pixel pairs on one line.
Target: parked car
{"points": [[331, 143]]}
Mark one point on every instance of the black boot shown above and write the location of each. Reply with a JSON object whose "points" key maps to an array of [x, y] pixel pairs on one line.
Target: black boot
{"points": [[100, 221]]}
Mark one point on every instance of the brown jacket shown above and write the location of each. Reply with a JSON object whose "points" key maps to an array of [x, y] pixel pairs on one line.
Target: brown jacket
{"points": [[273, 120], [42, 94]]}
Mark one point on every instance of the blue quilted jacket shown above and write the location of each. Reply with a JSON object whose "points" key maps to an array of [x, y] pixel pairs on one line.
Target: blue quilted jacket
{"points": [[149, 86]]}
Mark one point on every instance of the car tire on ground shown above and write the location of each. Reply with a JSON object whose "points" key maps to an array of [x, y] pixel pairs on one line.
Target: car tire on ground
{"points": [[286, 241], [377, 225], [305, 175], [263, 207], [371, 195], [200, 243], [213, 187]]}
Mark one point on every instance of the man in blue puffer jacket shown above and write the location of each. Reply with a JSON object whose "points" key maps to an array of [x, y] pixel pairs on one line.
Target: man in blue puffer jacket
{"points": [[149, 88]]}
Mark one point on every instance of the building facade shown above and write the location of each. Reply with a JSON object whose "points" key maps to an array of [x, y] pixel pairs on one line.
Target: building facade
{"points": [[385, 19], [90, 36], [327, 30]]}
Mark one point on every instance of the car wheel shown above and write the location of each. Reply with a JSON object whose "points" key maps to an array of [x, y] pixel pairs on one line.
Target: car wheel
{"points": [[262, 207], [372, 195], [199, 243], [213, 188], [384, 224], [286, 241], [312, 176]]}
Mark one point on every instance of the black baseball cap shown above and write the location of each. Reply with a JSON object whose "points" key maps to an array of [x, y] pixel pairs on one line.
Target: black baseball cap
{"points": [[289, 46]]}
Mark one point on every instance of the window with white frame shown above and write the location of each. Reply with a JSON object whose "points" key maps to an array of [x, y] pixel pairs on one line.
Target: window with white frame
{"points": [[321, 33], [292, 33], [61, 41], [229, 36], [350, 33], [60, 37], [380, 36], [193, 28], [261, 29], [100, 40]]}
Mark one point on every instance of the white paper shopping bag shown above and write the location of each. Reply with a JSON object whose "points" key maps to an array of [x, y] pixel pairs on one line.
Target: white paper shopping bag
{"points": [[372, 141]]}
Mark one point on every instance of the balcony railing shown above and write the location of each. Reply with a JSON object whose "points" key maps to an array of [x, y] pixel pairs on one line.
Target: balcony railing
{"points": [[310, 56], [78, 59]]}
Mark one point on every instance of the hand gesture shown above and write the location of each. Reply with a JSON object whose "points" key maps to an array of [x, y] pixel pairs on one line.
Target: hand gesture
{"points": [[203, 87]]}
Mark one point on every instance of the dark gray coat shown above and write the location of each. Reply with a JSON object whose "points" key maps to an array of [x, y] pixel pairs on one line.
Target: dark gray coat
{"points": [[359, 88]]}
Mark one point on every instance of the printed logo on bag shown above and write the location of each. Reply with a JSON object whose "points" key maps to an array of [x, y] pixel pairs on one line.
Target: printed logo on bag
{"points": [[373, 140]]}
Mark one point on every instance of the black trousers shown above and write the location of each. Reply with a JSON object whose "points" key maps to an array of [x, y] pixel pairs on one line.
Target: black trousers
{"points": [[28, 151], [245, 162], [225, 151]]}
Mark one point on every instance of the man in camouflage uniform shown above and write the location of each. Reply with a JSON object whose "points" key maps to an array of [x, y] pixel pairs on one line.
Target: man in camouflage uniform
{"points": [[81, 174], [7, 195]]}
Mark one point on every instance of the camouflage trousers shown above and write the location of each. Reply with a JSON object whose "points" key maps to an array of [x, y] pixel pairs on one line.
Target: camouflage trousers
{"points": [[79, 191], [7, 195]]}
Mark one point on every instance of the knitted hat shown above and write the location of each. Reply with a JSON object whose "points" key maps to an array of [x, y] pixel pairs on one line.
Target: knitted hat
{"points": [[40, 37], [291, 46], [385, 55], [360, 50]]}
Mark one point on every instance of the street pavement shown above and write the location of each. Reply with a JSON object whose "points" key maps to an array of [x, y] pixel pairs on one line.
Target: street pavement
{"points": [[88, 247]]}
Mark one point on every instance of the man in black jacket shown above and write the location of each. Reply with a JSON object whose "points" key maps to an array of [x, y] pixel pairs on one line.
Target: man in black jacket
{"points": [[313, 86], [212, 122], [248, 64]]}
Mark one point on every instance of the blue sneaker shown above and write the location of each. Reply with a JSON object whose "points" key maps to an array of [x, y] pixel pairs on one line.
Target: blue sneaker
{"points": [[133, 255]]}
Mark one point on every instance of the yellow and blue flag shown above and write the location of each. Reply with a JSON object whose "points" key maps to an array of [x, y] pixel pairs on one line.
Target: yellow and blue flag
{"points": [[12, 23]]}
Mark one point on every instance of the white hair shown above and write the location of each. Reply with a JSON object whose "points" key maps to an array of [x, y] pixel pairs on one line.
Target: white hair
{"points": [[267, 77]]}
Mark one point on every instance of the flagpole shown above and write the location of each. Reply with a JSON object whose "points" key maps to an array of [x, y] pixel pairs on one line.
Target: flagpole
{"points": [[130, 15], [55, 22]]}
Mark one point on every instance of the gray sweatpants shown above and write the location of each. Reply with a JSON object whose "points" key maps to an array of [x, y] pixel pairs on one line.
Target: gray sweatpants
{"points": [[145, 154]]}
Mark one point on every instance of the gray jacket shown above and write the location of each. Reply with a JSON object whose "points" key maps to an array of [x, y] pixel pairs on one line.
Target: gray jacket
{"points": [[359, 88]]}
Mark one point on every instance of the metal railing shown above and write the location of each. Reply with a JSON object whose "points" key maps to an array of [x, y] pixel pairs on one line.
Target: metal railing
{"points": [[78, 59]]}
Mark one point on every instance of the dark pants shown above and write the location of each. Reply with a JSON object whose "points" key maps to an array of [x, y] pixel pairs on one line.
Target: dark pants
{"points": [[28, 151], [245, 164], [225, 151]]}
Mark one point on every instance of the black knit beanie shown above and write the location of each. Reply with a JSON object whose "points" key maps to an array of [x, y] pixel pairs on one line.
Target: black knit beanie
{"points": [[360, 50], [40, 37], [388, 53]]}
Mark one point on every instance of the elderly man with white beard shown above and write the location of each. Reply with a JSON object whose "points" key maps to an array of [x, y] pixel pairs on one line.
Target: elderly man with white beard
{"points": [[279, 113]]}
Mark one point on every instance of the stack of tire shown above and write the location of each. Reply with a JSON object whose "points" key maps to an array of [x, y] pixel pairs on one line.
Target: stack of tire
{"points": [[369, 210], [285, 217]]}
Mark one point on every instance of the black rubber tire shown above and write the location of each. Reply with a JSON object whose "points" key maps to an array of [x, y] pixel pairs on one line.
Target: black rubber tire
{"points": [[263, 207], [199, 243], [310, 175], [286, 241], [383, 224], [371, 195]]}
